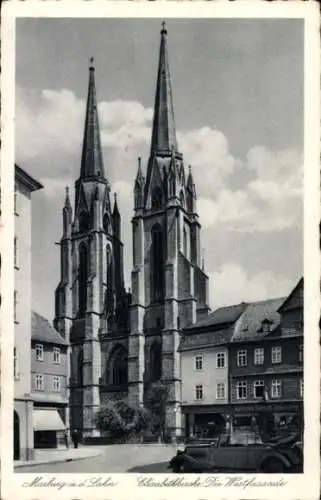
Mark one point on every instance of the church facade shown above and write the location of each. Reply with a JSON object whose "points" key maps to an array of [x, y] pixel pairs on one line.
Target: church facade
{"points": [[121, 342]]}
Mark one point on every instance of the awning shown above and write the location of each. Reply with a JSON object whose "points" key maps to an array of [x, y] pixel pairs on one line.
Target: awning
{"points": [[47, 420]]}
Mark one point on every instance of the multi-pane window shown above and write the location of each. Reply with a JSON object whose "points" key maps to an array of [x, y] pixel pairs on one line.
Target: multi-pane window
{"points": [[56, 355], [199, 362], [220, 390], [15, 306], [15, 251], [301, 387], [276, 389], [301, 353], [39, 382], [220, 360], [242, 357], [56, 384], [39, 352], [276, 354], [258, 389], [241, 390], [259, 356], [198, 392]]}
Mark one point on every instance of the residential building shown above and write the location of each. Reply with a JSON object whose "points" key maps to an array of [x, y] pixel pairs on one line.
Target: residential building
{"points": [[122, 343], [266, 359], [25, 185], [205, 370], [262, 347], [49, 371]]}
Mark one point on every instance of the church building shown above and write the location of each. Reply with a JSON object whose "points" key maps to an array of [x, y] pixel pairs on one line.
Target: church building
{"points": [[120, 343]]}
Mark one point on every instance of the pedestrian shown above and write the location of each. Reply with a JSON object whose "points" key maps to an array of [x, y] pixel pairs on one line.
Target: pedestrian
{"points": [[75, 438], [66, 440]]}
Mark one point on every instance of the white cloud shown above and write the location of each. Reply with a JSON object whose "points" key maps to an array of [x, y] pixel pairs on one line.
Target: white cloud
{"points": [[54, 126], [269, 201], [207, 150], [232, 284]]}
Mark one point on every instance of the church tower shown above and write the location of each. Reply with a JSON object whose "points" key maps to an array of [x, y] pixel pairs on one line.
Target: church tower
{"points": [[91, 291], [169, 286]]}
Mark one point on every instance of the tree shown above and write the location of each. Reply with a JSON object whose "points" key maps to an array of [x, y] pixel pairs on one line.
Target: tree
{"points": [[120, 420], [142, 419], [156, 399], [108, 419]]}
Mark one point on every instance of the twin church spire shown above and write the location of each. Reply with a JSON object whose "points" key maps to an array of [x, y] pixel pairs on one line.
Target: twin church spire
{"points": [[92, 164], [164, 132], [163, 139]]}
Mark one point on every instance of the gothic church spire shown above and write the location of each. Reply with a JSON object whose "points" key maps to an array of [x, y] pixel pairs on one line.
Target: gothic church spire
{"points": [[164, 133], [92, 158]]}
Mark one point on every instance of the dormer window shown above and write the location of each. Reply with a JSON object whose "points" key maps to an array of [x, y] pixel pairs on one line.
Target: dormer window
{"points": [[157, 198], [266, 326]]}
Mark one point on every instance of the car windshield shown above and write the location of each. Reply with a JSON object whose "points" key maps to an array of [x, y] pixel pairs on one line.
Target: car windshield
{"points": [[238, 438]]}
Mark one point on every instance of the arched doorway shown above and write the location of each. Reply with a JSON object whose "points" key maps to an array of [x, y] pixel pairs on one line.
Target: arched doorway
{"points": [[16, 436]]}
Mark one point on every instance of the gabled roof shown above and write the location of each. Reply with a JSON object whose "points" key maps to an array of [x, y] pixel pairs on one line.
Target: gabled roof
{"points": [[42, 331], [205, 339], [249, 325], [232, 324], [26, 179], [222, 316], [299, 286]]}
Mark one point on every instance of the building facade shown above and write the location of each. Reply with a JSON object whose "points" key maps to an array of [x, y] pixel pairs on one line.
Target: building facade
{"points": [[266, 360], [23, 404], [204, 350], [262, 347], [121, 343], [49, 370]]}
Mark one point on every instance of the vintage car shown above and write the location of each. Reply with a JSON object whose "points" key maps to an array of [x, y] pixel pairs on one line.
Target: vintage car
{"points": [[224, 454]]}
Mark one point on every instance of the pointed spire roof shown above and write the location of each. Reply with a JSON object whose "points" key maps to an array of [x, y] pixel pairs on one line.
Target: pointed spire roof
{"points": [[67, 199], [92, 158], [116, 209], [190, 180], [139, 176], [164, 133]]}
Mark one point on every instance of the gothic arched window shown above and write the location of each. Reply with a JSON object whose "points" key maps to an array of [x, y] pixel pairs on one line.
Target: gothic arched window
{"points": [[157, 198], [182, 199], [83, 221], [109, 264], [118, 371], [171, 186], [106, 223], [185, 242], [155, 362], [82, 279], [157, 264], [190, 203], [80, 359]]}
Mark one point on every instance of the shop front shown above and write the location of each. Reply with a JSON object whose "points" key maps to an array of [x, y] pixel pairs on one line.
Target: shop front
{"points": [[48, 427], [207, 420]]}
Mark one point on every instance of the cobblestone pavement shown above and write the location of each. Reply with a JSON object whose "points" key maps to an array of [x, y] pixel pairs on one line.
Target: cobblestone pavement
{"points": [[113, 459]]}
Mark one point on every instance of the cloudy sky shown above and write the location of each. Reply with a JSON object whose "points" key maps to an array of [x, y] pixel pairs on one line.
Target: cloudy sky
{"points": [[238, 98]]}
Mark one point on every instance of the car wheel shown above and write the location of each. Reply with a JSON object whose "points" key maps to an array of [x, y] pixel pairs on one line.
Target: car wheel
{"points": [[272, 466]]}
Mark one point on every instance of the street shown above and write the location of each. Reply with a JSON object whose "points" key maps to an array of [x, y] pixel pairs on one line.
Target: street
{"points": [[113, 459]]}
